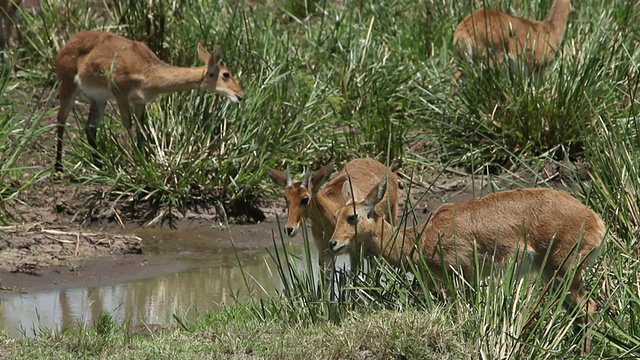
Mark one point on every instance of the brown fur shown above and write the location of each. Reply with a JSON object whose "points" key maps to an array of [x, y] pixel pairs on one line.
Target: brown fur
{"points": [[364, 173], [8, 9], [104, 65], [494, 33], [492, 226]]}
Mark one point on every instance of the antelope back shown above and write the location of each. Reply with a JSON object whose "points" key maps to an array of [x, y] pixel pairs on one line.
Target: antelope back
{"points": [[499, 35], [529, 222], [365, 174]]}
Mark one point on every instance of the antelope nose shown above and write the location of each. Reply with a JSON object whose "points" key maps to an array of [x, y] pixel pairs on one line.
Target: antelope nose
{"points": [[332, 244], [289, 230]]}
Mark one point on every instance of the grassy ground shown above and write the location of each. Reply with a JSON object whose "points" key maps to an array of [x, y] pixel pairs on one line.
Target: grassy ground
{"points": [[325, 81], [237, 334]]}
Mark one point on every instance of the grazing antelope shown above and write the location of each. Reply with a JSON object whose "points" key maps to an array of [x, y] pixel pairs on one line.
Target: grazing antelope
{"points": [[107, 66], [8, 10], [527, 224], [500, 35], [305, 200]]}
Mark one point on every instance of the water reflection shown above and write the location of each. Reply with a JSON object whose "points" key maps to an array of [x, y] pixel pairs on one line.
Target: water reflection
{"points": [[150, 301], [215, 279]]}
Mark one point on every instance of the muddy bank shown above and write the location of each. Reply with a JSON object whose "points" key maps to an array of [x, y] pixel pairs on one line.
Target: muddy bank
{"points": [[30, 249], [35, 257], [27, 248]]}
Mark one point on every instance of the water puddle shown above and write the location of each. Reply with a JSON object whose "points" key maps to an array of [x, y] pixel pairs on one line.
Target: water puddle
{"points": [[213, 278]]}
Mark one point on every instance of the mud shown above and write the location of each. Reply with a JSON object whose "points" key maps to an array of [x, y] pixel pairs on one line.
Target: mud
{"points": [[38, 256]]}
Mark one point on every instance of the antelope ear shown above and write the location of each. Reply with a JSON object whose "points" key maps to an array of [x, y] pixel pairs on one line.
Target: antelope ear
{"points": [[349, 192], [322, 176], [278, 176], [203, 54], [374, 197], [215, 58], [346, 190]]}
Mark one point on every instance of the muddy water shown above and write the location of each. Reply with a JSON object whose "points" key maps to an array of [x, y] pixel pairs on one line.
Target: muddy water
{"points": [[203, 272]]}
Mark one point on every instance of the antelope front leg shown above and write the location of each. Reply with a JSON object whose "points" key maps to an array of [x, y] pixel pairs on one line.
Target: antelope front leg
{"points": [[141, 131], [577, 300], [125, 114], [96, 111], [585, 320], [67, 95]]}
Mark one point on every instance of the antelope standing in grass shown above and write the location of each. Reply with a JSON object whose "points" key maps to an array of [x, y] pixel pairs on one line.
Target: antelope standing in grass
{"points": [[305, 200], [107, 66], [497, 35], [527, 225], [8, 10]]}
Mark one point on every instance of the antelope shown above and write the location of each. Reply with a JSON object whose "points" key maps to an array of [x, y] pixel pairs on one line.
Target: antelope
{"points": [[8, 10], [500, 35], [105, 66], [305, 200], [542, 229]]}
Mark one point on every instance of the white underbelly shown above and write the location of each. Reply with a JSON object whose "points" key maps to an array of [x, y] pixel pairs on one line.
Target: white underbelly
{"points": [[94, 92], [97, 93]]}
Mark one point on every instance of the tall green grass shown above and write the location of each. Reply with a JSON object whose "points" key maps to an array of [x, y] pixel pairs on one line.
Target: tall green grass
{"points": [[323, 87], [529, 114], [20, 127], [614, 192], [323, 81]]}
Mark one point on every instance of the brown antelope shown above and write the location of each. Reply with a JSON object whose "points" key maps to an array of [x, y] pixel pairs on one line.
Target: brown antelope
{"points": [[107, 66], [500, 35], [305, 200], [546, 230], [8, 10]]}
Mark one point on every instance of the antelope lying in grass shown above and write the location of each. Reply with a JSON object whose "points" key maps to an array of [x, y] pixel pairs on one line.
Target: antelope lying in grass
{"points": [[527, 225], [8, 10], [305, 200], [107, 66], [498, 35]]}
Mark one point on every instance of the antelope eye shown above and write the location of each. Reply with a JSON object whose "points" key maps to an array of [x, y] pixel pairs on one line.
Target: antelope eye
{"points": [[352, 219], [304, 200], [226, 75]]}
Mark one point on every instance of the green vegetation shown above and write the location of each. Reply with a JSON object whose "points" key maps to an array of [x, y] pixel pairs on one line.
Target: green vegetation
{"points": [[325, 81], [237, 334]]}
